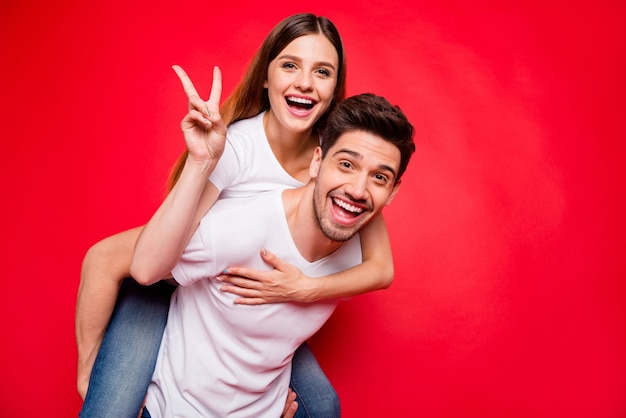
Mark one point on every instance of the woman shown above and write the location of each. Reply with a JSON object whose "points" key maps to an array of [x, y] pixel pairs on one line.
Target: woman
{"points": [[287, 118]]}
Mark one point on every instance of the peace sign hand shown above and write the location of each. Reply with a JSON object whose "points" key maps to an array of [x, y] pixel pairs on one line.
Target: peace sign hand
{"points": [[203, 127]]}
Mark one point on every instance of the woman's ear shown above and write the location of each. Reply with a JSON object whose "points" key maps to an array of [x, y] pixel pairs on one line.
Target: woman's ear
{"points": [[316, 161]]}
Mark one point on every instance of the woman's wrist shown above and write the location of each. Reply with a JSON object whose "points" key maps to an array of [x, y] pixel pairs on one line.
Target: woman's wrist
{"points": [[311, 291]]}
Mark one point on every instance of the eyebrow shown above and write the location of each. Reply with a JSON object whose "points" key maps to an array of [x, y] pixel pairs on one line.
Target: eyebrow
{"points": [[356, 155], [296, 58]]}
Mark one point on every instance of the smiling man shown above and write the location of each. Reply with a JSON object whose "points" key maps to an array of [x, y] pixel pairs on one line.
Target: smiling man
{"points": [[218, 358]]}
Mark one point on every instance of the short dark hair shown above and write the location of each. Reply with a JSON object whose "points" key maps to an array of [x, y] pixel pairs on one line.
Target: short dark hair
{"points": [[374, 114]]}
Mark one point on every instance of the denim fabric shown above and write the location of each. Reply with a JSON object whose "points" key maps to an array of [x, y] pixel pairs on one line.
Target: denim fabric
{"points": [[316, 396], [123, 368], [124, 365]]}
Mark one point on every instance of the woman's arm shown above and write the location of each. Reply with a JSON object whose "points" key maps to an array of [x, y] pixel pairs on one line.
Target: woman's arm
{"points": [[105, 266], [286, 283], [108, 262], [166, 235]]}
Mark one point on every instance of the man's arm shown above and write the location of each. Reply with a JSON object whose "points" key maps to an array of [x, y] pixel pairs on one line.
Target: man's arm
{"points": [[105, 266]]}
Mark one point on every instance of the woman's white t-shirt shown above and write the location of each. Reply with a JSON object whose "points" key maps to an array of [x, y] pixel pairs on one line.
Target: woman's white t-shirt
{"points": [[248, 165]]}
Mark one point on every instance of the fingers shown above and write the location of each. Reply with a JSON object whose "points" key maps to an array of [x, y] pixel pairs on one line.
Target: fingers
{"points": [[191, 92], [240, 286], [291, 406], [188, 86], [209, 110], [216, 90], [233, 273], [271, 259], [245, 296], [252, 301]]}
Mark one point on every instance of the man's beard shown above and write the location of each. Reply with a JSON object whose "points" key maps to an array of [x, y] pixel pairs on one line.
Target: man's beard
{"points": [[330, 230]]}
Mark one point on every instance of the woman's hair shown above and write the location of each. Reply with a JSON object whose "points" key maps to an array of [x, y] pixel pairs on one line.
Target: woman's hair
{"points": [[250, 97], [374, 114]]}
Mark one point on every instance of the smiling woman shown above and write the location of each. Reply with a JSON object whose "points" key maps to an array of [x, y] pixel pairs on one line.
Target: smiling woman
{"points": [[310, 64]]}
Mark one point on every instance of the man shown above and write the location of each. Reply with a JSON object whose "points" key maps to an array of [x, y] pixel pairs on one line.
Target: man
{"points": [[222, 359]]}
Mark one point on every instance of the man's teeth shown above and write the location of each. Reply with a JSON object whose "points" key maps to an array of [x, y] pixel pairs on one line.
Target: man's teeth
{"points": [[347, 206]]}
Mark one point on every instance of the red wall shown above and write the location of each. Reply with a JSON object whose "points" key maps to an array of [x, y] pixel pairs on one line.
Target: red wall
{"points": [[508, 233]]}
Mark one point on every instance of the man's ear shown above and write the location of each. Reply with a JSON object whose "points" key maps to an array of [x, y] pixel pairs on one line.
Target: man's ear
{"points": [[316, 161], [396, 187]]}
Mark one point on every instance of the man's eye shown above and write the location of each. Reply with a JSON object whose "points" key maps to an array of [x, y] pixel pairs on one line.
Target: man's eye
{"points": [[381, 178]]}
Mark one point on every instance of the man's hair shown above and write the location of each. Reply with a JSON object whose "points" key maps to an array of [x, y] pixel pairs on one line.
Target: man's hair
{"points": [[374, 114]]}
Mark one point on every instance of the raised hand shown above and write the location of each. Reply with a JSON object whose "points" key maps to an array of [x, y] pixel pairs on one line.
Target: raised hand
{"points": [[203, 127]]}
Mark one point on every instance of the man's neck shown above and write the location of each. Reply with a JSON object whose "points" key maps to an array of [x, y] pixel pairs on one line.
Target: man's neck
{"points": [[305, 231]]}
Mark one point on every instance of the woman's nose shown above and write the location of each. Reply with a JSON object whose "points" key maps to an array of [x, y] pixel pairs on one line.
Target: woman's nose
{"points": [[304, 81]]}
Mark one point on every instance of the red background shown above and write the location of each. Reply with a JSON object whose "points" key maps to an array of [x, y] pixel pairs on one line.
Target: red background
{"points": [[508, 233]]}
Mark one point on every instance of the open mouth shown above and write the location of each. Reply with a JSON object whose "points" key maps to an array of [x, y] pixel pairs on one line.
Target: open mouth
{"points": [[300, 102], [348, 209]]}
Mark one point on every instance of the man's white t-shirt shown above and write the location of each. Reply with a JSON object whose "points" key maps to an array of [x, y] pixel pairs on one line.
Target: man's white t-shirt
{"points": [[218, 359]]}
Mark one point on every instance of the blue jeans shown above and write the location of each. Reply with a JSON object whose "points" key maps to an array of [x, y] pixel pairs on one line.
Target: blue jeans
{"points": [[123, 368]]}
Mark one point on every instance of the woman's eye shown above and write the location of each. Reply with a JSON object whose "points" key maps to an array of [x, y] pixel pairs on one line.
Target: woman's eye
{"points": [[324, 72], [289, 65]]}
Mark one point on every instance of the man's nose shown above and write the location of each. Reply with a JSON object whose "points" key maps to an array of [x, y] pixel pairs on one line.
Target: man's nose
{"points": [[357, 188]]}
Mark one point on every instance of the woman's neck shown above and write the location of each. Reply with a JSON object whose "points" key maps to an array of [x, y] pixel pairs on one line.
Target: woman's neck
{"points": [[293, 150]]}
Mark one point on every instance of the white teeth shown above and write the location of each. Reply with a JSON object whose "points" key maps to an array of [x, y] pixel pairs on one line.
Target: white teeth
{"points": [[347, 207], [300, 100]]}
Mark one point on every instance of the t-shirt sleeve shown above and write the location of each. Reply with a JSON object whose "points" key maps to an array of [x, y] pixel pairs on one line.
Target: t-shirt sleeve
{"points": [[197, 261], [228, 168]]}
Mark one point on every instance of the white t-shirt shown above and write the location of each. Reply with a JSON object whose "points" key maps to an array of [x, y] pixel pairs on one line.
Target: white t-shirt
{"points": [[218, 359], [248, 165]]}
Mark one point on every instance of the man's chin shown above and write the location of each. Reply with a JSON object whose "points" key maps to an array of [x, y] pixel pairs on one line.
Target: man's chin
{"points": [[339, 235]]}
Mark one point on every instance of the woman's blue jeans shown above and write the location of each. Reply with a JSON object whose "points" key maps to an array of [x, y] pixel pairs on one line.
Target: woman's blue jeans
{"points": [[123, 368]]}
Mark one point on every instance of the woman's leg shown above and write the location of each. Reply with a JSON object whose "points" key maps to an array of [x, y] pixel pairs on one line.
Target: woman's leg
{"points": [[316, 396], [125, 363]]}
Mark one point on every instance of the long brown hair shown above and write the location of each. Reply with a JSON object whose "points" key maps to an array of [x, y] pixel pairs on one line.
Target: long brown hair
{"points": [[250, 97]]}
